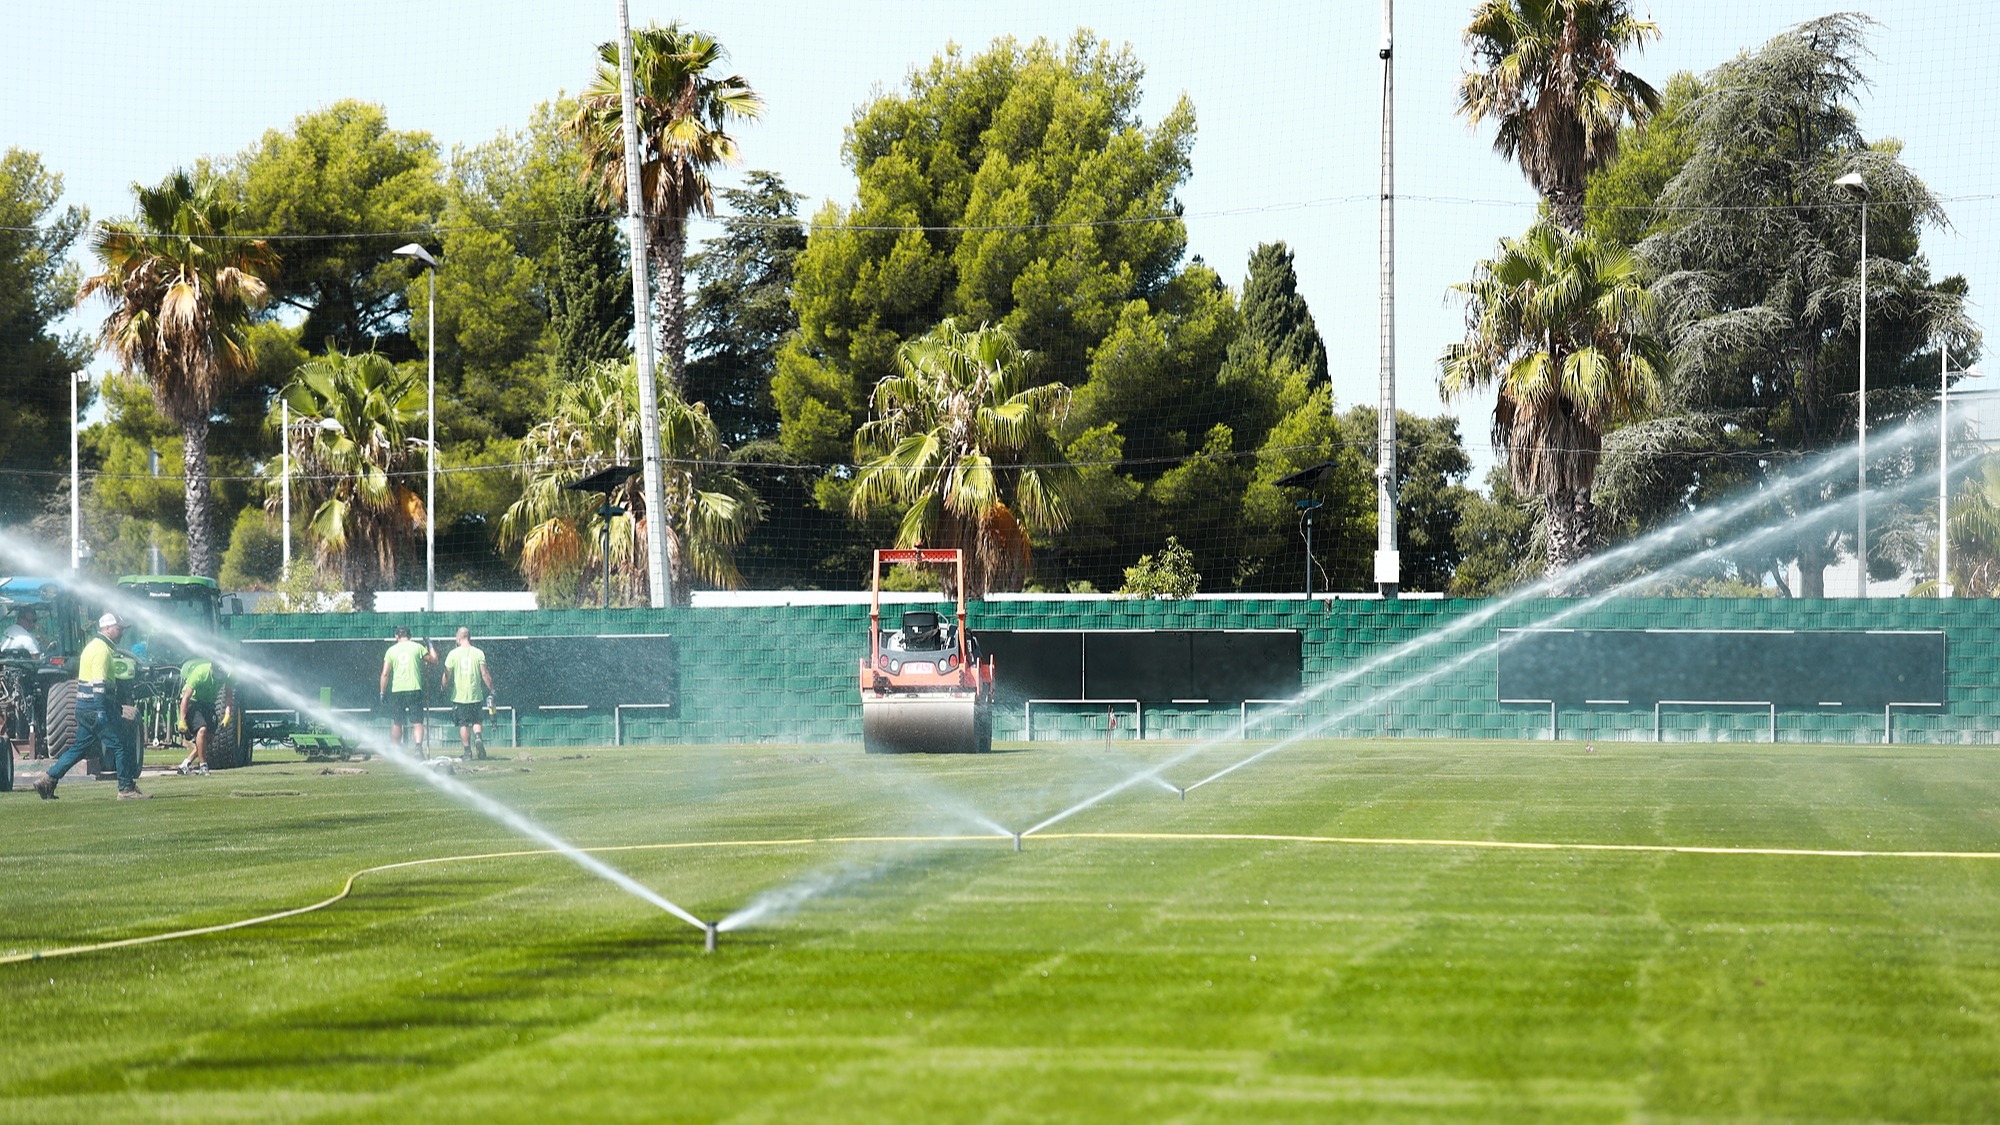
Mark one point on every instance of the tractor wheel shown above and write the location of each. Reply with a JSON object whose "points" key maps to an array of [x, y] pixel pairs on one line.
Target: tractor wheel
{"points": [[227, 748], [59, 719]]}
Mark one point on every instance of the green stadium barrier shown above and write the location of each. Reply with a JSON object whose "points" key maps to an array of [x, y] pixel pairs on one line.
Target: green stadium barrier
{"points": [[786, 673]]}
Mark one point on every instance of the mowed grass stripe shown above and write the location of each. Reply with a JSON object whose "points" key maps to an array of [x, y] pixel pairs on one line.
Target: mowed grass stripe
{"points": [[1335, 933]]}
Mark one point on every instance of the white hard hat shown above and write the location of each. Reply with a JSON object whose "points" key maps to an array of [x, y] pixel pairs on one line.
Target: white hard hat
{"points": [[108, 620]]}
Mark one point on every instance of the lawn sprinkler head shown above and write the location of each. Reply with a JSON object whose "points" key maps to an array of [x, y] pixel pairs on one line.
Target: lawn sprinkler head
{"points": [[1017, 841], [708, 941], [1182, 792]]}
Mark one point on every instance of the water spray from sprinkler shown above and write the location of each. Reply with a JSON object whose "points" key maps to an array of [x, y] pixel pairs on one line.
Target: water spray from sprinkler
{"points": [[140, 611], [1827, 469]]}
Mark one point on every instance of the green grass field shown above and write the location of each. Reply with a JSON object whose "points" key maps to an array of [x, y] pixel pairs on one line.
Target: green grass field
{"points": [[1163, 976]]}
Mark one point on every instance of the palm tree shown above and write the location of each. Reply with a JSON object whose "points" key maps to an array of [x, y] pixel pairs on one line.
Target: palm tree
{"points": [[1555, 322], [682, 110], [182, 292], [354, 445], [962, 443], [1550, 77], [593, 424], [1974, 527]]}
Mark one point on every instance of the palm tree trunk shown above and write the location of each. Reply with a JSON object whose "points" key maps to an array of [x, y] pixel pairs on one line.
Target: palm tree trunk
{"points": [[670, 303], [1572, 520], [200, 506], [1813, 560], [1566, 204]]}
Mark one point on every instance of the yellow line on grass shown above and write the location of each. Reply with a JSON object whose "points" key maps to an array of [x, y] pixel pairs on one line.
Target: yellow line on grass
{"points": [[1180, 837]]}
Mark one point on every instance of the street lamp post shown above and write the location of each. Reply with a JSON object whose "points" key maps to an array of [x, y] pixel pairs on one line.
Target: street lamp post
{"points": [[153, 564], [1858, 187], [430, 443], [75, 479]]}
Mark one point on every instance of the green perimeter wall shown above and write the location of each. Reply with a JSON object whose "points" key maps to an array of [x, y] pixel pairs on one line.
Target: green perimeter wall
{"points": [[1427, 669]]}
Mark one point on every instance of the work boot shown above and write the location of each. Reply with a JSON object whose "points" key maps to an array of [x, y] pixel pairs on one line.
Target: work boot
{"points": [[182, 769], [45, 786], [133, 795]]}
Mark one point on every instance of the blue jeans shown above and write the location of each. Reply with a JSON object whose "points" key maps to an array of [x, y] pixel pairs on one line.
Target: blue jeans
{"points": [[99, 726]]}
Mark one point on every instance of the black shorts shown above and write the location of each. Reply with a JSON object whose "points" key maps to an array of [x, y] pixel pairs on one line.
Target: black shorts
{"points": [[201, 716], [404, 706], [468, 714]]}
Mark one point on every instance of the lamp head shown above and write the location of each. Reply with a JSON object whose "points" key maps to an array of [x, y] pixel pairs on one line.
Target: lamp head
{"points": [[1852, 183], [418, 252]]}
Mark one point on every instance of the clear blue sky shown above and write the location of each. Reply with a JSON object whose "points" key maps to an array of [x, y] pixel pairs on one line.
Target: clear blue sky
{"points": [[1286, 93]]}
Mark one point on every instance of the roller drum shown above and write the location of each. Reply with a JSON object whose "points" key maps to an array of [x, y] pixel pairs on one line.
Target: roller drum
{"points": [[916, 724]]}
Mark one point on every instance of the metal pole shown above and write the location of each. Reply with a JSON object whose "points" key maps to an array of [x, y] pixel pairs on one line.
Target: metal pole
{"points": [[606, 604], [431, 459], [285, 482], [1309, 554], [1944, 421], [75, 482], [1388, 564], [1861, 539], [642, 328], [153, 564]]}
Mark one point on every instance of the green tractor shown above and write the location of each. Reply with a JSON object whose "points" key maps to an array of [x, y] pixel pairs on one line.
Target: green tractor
{"points": [[195, 605], [46, 624], [38, 653]]}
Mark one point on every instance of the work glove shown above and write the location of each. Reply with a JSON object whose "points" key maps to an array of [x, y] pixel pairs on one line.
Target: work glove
{"points": [[184, 730]]}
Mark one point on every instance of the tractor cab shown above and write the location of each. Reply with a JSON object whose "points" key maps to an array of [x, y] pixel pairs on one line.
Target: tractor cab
{"points": [[192, 603], [42, 621]]}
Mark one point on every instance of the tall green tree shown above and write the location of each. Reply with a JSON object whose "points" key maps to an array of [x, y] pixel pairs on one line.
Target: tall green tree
{"points": [[1018, 188], [183, 288], [1431, 495], [340, 190], [962, 446], [742, 309], [589, 286], [592, 424], [1554, 324], [36, 361], [1548, 73], [684, 108], [1275, 312], [1500, 540], [1757, 256], [358, 461]]}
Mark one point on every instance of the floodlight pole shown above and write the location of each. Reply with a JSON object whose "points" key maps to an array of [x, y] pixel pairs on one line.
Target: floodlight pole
{"points": [[417, 252], [657, 574], [431, 446], [1388, 564]]}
